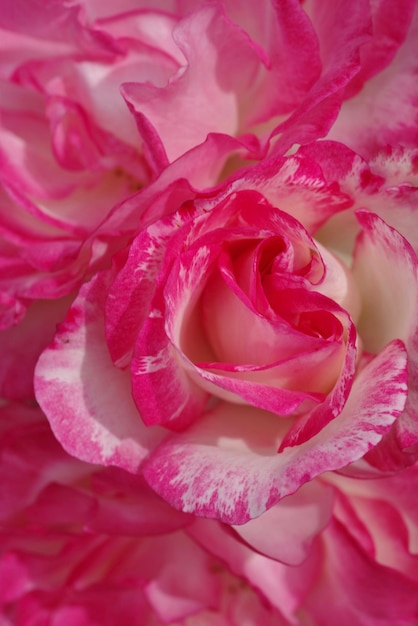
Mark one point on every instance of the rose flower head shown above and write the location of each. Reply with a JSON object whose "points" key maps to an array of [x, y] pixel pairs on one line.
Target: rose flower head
{"points": [[229, 325]]}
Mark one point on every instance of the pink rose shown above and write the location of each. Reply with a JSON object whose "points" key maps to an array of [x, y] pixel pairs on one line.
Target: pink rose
{"points": [[234, 374], [271, 357]]}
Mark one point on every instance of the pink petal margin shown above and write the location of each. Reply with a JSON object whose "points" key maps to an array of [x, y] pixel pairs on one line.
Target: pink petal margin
{"points": [[85, 397], [226, 465]]}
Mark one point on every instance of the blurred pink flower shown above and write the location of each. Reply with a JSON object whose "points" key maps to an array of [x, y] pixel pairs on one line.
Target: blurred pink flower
{"points": [[90, 546]]}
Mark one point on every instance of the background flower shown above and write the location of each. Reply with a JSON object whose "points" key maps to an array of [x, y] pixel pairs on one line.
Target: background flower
{"points": [[90, 545]]}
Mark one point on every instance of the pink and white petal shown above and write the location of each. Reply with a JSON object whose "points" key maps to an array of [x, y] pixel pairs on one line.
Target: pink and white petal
{"points": [[162, 390], [86, 399], [253, 387], [341, 37], [75, 138], [396, 165], [152, 26], [297, 186], [389, 103], [130, 294], [400, 210], [355, 179], [313, 422], [386, 186], [96, 85], [391, 23], [386, 270], [286, 531], [179, 116], [26, 163], [390, 534], [174, 186], [344, 594], [226, 465], [310, 122], [18, 48], [283, 31], [398, 489]]}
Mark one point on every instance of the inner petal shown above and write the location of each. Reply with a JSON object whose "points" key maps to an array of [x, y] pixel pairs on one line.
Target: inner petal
{"points": [[339, 284], [238, 333]]}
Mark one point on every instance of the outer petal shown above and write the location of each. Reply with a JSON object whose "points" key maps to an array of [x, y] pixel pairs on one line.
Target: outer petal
{"points": [[399, 491], [285, 532], [45, 487], [185, 111], [163, 391], [132, 290], [226, 465], [87, 400], [354, 588], [54, 22], [391, 22], [386, 185], [386, 269], [388, 102], [341, 37], [182, 583], [284, 587], [295, 185], [284, 31]]}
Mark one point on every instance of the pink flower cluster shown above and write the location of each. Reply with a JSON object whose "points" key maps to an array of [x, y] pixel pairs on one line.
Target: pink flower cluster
{"points": [[209, 313]]}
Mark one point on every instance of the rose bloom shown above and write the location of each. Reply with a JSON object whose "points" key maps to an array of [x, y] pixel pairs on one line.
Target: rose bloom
{"points": [[88, 546], [231, 357], [243, 347]]}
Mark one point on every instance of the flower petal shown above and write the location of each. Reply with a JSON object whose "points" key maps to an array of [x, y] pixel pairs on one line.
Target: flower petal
{"points": [[387, 101], [226, 464], [285, 532], [386, 269], [201, 97], [86, 399]]}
